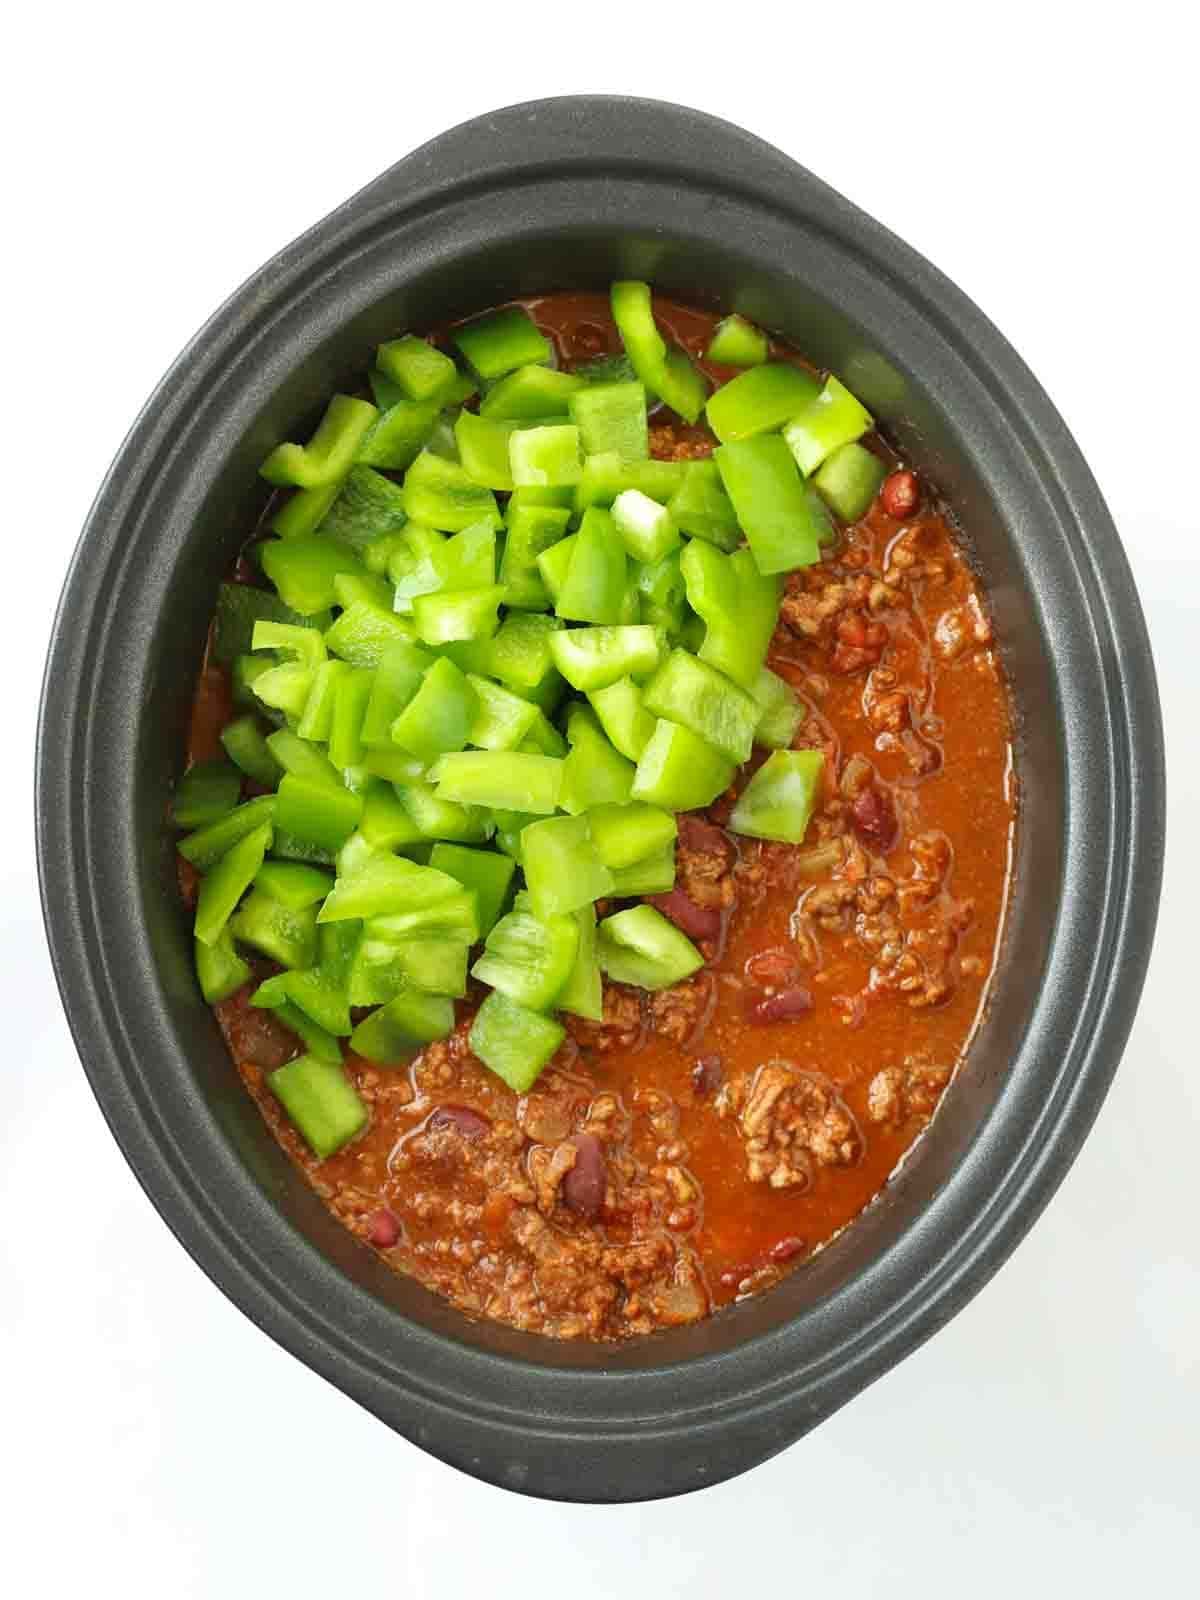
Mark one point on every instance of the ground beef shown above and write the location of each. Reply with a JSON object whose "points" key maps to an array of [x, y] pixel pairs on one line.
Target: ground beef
{"points": [[704, 857], [790, 1119], [680, 1012], [621, 1027], [911, 1090], [676, 441]]}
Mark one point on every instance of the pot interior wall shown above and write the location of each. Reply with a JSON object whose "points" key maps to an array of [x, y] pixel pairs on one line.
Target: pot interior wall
{"points": [[693, 271]]}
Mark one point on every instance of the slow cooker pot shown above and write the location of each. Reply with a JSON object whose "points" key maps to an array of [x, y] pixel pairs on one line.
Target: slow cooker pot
{"points": [[572, 193]]}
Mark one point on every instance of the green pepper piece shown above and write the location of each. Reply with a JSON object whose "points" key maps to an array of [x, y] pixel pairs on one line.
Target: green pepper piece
{"points": [[402, 666], [626, 833], [321, 1102], [293, 884], [386, 823], [760, 400], [330, 452], [285, 688], [219, 968], [382, 885], [545, 458], [316, 719], [593, 588], [485, 873], [440, 818], [443, 494], [661, 594], [592, 658], [224, 885], [611, 417], [316, 812], [641, 947], [717, 710], [583, 992], [440, 715], [303, 511], [207, 845], [778, 801], [239, 608], [363, 632], [503, 719], [645, 527], [243, 675], [400, 434], [767, 492], [483, 449], [385, 391], [303, 570], [607, 369], [519, 655], [207, 791], [739, 606], [286, 935], [514, 1042], [562, 866], [532, 529], [529, 958], [504, 778], [297, 756], [737, 343], [623, 716], [701, 508], [382, 967], [679, 771], [554, 563], [377, 555], [369, 588], [393, 764], [350, 702], [780, 712], [422, 372], [455, 918], [543, 738], [849, 480], [321, 992], [594, 774], [304, 646], [605, 476], [457, 614], [416, 566], [831, 419], [290, 848], [398, 1030], [246, 746], [317, 1042], [367, 506], [653, 874], [501, 341], [529, 394], [666, 373]]}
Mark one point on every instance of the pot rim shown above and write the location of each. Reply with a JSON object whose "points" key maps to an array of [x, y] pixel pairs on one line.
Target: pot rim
{"points": [[516, 1418]]}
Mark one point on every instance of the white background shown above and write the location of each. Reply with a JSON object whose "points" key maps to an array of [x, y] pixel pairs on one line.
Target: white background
{"points": [[152, 1442]]}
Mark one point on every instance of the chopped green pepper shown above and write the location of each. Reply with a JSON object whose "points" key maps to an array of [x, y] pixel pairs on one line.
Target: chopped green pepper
{"points": [[624, 834], [287, 935], [623, 716], [679, 771], [400, 434], [832, 418], [457, 614], [293, 884], [303, 511], [759, 400], [529, 958], [605, 476], [611, 417], [593, 773], [321, 1101], [689, 691], [246, 746], [321, 992], [220, 969], [767, 492], [504, 778], [545, 458], [330, 452], [316, 812], [778, 801], [563, 869], [386, 823], [532, 529], [737, 343], [501, 341], [363, 632], [592, 658], [849, 480], [402, 666], [594, 586], [514, 1042], [503, 719], [641, 947], [780, 712], [367, 506], [583, 992], [440, 818], [298, 756], [646, 528], [488, 875], [303, 570], [402, 1027], [423, 372], [440, 715], [239, 608], [207, 845], [529, 394], [701, 508], [739, 606], [483, 449], [224, 885], [653, 874], [661, 594], [667, 373], [207, 791], [443, 494]]}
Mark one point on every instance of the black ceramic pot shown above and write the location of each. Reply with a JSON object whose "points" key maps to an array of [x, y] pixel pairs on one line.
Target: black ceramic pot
{"points": [[561, 194]]}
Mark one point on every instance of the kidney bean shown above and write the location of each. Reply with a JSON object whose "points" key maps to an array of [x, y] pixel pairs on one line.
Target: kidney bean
{"points": [[874, 819], [769, 969], [785, 1249], [782, 1007], [583, 1187], [466, 1122], [900, 495], [707, 1075], [697, 833], [383, 1228], [698, 922]]}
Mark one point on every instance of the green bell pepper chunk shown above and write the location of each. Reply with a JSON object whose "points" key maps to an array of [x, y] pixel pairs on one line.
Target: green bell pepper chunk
{"points": [[623, 716], [385, 391], [519, 655], [611, 417], [219, 968], [503, 778], [243, 675], [206, 792], [501, 341], [594, 774], [532, 530], [739, 606], [592, 658], [286, 935], [316, 812], [483, 449], [485, 873], [667, 373], [503, 719], [554, 563], [393, 764], [607, 369], [293, 884], [767, 492], [207, 845], [849, 480], [543, 738], [304, 760], [330, 452], [317, 1042], [422, 372], [661, 594], [290, 848], [780, 712], [457, 614], [246, 746], [224, 885], [594, 586], [737, 343], [285, 688], [717, 710], [367, 506], [316, 719], [529, 394], [545, 458], [377, 556], [399, 675], [382, 885], [646, 528], [455, 918], [440, 818], [627, 833], [831, 419], [514, 1042], [778, 801], [303, 511], [363, 632], [606, 476], [653, 874], [701, 508], [400, 434], [369, 588], [384, 966], [641, 947], [443, 494], [679, 771], [239, 608], [321, 992], [583, 992], [417, 565], [529, 958], [398, 1030], [350, 701], [320, 1101], [303, 570], [563, 869], [759, 400], [441, 714], [386, 823]]}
